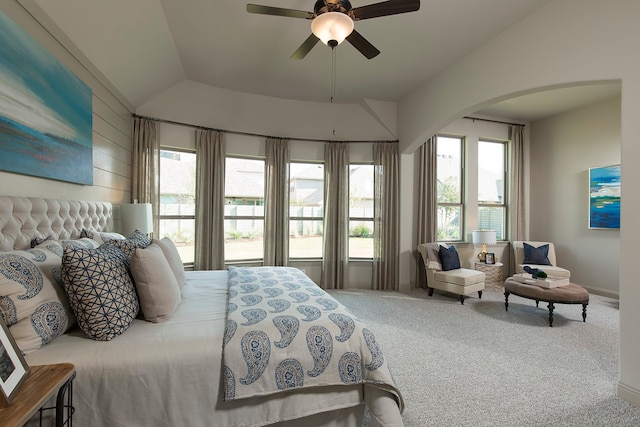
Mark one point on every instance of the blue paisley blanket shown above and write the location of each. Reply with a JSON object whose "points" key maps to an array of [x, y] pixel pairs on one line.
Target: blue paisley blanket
{"points": [[284, 332]]}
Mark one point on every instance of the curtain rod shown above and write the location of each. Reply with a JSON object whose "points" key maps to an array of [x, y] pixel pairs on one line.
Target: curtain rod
{"points": [[172, 122], [494, 121]]}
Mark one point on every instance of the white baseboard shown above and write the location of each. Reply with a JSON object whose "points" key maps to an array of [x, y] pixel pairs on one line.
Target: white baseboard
{"points": [[602, 292], [629, 394]]}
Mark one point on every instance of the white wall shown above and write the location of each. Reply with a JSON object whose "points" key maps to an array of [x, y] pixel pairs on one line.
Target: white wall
{"points": [[563, 148], [197, 104], [111, 127], [565, 42]]}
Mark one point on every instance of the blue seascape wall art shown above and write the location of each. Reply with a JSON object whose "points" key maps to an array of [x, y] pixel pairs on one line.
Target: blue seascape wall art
{"points": [[604, 197], [45, 111]]}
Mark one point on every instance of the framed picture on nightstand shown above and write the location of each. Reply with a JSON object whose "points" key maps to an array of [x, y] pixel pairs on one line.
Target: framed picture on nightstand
{"points": [[13, 368], [490, 258]]}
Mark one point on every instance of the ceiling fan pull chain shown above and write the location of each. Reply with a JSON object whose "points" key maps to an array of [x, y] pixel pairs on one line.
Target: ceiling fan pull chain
{"points": [[333, 83], [333, 74]]}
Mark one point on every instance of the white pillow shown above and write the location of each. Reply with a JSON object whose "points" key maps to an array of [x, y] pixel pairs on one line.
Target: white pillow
{"points": [[157, 287], [173, 257]]}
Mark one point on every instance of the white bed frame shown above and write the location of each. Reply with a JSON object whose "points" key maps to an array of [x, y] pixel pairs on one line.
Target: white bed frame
{"points": [[24, 218]]}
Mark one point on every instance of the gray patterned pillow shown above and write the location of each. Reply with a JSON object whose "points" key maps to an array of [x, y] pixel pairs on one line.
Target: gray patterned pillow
{"points": [[130, 244], [101, 236], [32, 301], [100, 290]]}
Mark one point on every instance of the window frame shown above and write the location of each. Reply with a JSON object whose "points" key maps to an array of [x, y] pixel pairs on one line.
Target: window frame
{"points": [[504, 205], [461, 203], [161, 217], [360, 218], [244, 218], [305, 218]]}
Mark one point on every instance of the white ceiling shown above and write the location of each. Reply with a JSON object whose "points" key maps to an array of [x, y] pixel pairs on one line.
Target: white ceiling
{"points": [[144, 47]]}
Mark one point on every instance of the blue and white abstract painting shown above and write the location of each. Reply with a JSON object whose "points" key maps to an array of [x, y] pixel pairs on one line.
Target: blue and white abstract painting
{"points": [[604, 197], [45, 111]]}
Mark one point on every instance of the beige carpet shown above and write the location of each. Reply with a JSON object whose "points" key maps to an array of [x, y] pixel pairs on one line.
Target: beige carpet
{"points": [[477, 365]]}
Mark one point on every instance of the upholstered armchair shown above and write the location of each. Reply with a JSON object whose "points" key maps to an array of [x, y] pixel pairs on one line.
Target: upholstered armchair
{"points": [[540, 255], [459, 281]]}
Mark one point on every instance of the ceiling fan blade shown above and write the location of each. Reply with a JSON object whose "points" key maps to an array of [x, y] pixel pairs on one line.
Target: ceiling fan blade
{"points": [[278, 11], [385, 8], [363, 45], [305, 47]]}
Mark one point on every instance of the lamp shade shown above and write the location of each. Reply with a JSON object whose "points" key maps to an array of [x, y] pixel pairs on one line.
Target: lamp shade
{"points": [[136, 216], [332, 26], [483, 237]]}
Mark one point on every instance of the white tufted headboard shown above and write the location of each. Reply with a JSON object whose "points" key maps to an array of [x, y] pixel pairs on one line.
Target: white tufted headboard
{"points": [[24, 218]]}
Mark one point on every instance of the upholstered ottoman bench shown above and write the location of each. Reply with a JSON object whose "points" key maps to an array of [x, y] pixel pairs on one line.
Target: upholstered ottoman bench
{"points": [[568, 294]]}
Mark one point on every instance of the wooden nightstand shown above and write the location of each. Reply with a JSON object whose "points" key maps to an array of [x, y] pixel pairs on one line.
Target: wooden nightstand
{"points": [[493, 274], [42, 383]]}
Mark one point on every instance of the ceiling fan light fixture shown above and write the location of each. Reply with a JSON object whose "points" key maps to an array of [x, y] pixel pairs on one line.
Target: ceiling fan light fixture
{"points": [[332, 27]]}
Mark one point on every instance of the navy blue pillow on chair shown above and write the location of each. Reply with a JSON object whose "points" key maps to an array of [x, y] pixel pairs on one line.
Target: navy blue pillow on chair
{"points": [[533, 255], [449, 258]]}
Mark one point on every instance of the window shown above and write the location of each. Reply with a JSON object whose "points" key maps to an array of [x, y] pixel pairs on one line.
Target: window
{"points": [[178, 201], [361, 211], [492, 207], [450, 179], [244, 209], [306, 199]]}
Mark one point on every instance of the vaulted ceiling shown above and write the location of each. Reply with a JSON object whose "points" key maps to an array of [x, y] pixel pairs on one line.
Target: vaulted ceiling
{"points": [[144, 47]]}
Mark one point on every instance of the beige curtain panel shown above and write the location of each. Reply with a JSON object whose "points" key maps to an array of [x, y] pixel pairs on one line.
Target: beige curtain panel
{"points": [[518, 219], [276, 215], [145, 163], [210, 172], [335, 252], [427, 226], [386, 189]]}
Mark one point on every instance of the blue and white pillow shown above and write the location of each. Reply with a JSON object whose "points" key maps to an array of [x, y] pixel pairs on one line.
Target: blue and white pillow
{"points": [[131, 243], [33, 303], [100, 290], [101, 236]]}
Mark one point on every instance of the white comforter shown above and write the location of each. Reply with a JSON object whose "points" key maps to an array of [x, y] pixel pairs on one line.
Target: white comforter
{"points": [[168, 374]]}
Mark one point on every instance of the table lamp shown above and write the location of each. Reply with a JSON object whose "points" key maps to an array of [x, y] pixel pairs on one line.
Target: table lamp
{"points": [[484, 238], [136, 216]]}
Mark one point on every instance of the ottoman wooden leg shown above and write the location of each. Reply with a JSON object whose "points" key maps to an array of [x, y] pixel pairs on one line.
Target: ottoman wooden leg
{"points": [[584, 312], [506, 301], [551, 307]]}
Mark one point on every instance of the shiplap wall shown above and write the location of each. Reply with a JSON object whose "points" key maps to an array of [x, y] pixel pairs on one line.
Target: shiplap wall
{"points": [[112, 122]]}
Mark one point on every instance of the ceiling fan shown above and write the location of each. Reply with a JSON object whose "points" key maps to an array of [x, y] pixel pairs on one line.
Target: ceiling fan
{"points": [[333, 22]]}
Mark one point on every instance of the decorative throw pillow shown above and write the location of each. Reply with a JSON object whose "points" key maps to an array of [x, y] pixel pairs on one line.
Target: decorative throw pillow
{"points": [[173, 257], [129, 245], [39, 240], [81, 243], [100, 290], [157, 287], [449, 258], [101, 236], [539, 255], [32, 302], [142, 240]]}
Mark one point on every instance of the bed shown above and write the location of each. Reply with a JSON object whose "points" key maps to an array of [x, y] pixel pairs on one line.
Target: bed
{"points": [[181, 371]]}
